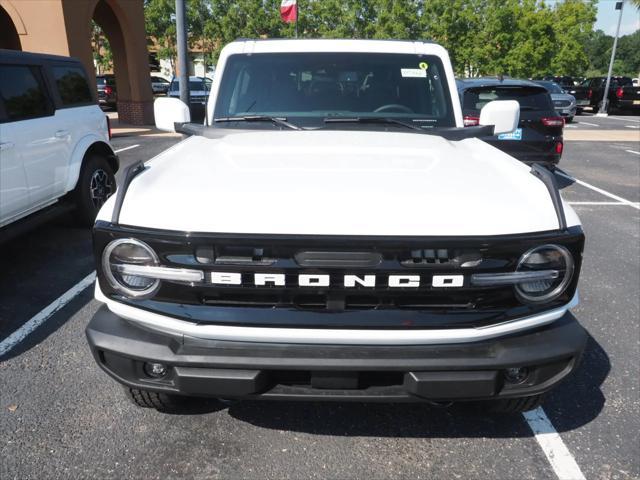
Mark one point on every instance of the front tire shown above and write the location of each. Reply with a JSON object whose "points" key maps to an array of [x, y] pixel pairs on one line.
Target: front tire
{"points": [[96, 184], [148, 399]]}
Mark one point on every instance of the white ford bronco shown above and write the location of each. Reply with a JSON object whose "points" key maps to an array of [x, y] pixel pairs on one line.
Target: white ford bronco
{"points": [[333, 232], [54, 140]]}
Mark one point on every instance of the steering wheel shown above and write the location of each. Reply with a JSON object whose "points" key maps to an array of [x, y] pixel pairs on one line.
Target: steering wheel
{"points": [[393, 106]]}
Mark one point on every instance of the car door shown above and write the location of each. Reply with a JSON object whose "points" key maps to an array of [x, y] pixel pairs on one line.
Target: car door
{"points": [[14, 194], [76, 114], [596, 87], [30, 128]]}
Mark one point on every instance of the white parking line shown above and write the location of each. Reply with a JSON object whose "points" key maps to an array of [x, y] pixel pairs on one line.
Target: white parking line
{"points": [[597, 203], [19, 335], [631, 126], [591, 124], [126, 148], [561, 460], [632, 151], [599, 190], [625, 119]]}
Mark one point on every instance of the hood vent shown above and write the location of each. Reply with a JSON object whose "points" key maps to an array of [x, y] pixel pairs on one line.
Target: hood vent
{"points": [[338, 259]]}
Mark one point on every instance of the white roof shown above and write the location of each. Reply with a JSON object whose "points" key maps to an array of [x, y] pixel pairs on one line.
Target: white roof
{"points": [[334, 45]]}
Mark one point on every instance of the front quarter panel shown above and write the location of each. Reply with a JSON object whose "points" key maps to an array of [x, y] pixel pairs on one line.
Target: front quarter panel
{"points": [[75, 162]]}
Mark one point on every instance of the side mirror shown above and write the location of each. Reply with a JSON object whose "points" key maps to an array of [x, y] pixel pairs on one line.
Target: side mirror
{"points": [[168, 112], [502, 114]]}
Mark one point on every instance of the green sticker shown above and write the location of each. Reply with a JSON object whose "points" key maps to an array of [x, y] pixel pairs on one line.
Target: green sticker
{"points": [[423, 65]]}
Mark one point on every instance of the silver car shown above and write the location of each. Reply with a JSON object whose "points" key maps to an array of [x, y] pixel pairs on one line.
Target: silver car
{"points": [[564, 103]]}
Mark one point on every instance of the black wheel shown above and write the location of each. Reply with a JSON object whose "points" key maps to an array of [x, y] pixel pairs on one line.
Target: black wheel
{"points": [[160, 401], [95, 185], [569, 119], [578, 111], [517, 405]]}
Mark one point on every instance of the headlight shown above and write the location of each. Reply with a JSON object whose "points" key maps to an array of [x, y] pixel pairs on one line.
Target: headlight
{"points": [[118, 258], [547, 258]]}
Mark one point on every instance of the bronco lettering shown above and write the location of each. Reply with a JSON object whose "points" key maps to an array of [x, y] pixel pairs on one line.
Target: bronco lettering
{"points": [[324, 280]]}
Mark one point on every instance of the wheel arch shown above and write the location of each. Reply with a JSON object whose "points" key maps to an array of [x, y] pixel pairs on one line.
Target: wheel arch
{"points": [[86, 146]]}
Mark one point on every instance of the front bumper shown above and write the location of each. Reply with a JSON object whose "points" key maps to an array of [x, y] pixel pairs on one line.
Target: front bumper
{"points": [[231, 369], [568, 111]]}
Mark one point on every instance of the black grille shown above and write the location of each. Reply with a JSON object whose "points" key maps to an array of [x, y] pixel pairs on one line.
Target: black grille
{"points": [[562, 103], [381, 306]]}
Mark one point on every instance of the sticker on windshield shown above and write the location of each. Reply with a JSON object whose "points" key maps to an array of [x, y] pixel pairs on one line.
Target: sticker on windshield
{"points": [[515, 135], [423, 65], [413, 73]]}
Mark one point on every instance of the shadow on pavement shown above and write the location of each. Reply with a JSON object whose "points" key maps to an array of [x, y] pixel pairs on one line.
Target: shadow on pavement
{"points": [[36, 268], [562, 180], [49, 327]]}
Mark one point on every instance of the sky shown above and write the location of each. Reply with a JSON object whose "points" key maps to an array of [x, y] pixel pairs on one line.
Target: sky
{"points": [[608, 17]]}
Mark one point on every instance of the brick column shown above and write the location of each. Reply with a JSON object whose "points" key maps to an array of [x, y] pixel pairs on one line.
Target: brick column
{"points": [[135, 112]]}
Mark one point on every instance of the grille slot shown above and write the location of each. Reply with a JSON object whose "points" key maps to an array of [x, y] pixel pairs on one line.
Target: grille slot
{"points": [[329, 302]]}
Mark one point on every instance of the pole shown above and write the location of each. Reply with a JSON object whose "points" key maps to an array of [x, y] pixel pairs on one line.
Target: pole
{"points": [[605, 96], [297, 19], [183, 65]]}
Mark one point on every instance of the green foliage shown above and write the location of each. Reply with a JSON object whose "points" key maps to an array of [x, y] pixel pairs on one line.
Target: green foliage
{"points": [[160, 26], [523, 38], [102, 54], [627, 62], [574, 22]]}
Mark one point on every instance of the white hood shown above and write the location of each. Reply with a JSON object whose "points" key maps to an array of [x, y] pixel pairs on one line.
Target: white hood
{"points": [[337, 183]]}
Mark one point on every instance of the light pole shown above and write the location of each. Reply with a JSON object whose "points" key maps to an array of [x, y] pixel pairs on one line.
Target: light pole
{"points": [[183, 65], [605, 96]]}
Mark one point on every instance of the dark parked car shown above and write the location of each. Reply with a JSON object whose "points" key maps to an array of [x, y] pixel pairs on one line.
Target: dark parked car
{"points": [[159, 85], [564, 103], [107, 92], [623, 95], [538, 138], [198, 93], [565, 81]]}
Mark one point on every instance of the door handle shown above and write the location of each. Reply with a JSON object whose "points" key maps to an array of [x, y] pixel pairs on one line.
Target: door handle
{"points": [[6, 145], [61, 134]]}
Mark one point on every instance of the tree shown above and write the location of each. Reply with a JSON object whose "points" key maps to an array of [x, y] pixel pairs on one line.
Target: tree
{"points": [[627, 62], [524, 38], [161, 28], [102, 54], [573, 24]]}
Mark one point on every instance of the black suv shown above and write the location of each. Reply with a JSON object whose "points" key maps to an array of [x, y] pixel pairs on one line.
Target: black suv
{"points": [[107, 91], [538, 138]]}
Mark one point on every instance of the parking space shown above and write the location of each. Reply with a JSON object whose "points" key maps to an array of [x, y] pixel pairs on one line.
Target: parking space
{"points": [[62, 416], [589, 121]]}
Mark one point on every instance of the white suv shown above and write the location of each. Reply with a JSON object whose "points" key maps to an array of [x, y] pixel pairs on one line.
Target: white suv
{"points": [[54, 139]]}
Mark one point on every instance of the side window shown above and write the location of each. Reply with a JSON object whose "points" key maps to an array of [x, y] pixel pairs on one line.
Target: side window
{"points": [[23, 92], [72, 86]]}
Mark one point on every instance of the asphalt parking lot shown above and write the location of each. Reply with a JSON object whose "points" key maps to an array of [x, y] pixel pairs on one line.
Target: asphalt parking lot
{"points": [[62, 417]]}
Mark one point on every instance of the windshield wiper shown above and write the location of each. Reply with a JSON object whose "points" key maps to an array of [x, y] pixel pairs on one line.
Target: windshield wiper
{"points": [[280, 121], [384, 120]]}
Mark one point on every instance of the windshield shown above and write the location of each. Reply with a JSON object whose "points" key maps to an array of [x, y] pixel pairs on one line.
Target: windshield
{"points": [[102, 81], [529, 98], [193, 85], [551, 87], [622, 82], [307, 88]]}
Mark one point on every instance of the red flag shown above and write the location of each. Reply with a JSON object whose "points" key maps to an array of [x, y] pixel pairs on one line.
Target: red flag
{"points": [[289, 11]]}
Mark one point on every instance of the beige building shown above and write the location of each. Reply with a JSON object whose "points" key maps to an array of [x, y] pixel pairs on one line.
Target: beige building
{"points": [[63, 27]]}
